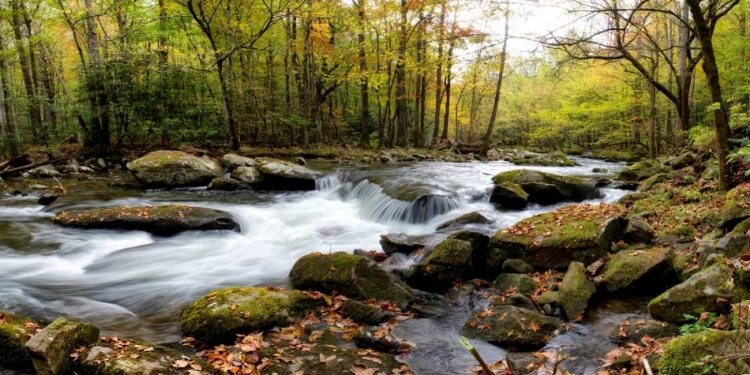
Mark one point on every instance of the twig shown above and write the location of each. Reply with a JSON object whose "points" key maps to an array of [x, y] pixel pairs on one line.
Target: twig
{"points": [[647, 367], [465, 342], [63, 190]]}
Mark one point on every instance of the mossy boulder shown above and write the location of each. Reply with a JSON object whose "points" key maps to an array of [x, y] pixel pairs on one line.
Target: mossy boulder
{"points": [[226, 184], [648, 183], [175, 169], [449, 262], [479, 242], [248, 175], [160, 220], [351, 275], [517, 266], [546, 160], [282, 175], [15, 331], [582, 233], [520, 283], [636, 327], [470, 218], [548, 188], [219, 316], [50, 349], [642, 170], [575, 291], [638, 231], [711, 289], [736, 208], [234, 161], [511, 327], [638, 272], [133, 358], [363, 313], [683, 354], [509, 196], [681, 161]]}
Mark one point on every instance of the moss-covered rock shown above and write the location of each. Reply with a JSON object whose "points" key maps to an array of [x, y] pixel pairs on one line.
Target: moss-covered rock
{"points": [[682, 356], [248, 175], [479, 243], [226, 184], [575, 291], [175, 169], [220, 315], [234, 161], [135, 358], [548, 160], [548, 297], [736, 208], [547, 188], [681, 161], [582, 233], [50, 349], [648, 183], [636, 327], [351, 275], [15, 331], [160, 220], [641, 170], [509, 196], [282, 175], [520, 283], [517, 266], [711, 289], [449, 262], [470, 218], [511, 327], [639, 272], [362, 313], [638, 231]]}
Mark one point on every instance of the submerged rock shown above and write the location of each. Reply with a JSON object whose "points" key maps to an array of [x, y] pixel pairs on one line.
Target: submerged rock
{"points": [[639, 272], [159, 220], [15, 331], [175, 169], [682, 353], [575, 291], [547, 188], [50, 348], [282, 175], [449, 262], [509, 195], [511, 327], [351, 275], [470, 218], [219, 316]]}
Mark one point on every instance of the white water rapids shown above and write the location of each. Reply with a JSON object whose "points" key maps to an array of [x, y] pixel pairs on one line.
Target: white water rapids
{"points": [[133, 284]]}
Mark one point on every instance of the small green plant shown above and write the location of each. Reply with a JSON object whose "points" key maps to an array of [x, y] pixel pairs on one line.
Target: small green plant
{"points": [[705, 365], [698, 324]]}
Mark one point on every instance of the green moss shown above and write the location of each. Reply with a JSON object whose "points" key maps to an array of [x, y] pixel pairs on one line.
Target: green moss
{"points": [[451, 252], [628, 267], [651, 181], [575, 291], [682, 354], [14, 333]]}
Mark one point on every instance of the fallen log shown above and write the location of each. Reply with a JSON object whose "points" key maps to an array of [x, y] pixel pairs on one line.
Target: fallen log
{"points": [[31, 166]]}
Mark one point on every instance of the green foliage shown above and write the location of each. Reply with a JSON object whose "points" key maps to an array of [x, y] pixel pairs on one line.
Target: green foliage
{"points": [[697, 324]]}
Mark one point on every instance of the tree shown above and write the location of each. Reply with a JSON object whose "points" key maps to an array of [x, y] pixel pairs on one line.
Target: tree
{"points": [[496, 102]]}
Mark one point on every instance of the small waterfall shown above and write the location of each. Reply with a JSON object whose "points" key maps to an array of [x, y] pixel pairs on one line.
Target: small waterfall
{"points": [[331, 181]]}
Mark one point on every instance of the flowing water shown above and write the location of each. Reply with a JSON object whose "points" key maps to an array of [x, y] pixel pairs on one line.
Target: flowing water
{"points": [[133, 284]]}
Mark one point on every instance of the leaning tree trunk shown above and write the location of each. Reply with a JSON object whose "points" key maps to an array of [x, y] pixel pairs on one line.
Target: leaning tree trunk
{"points": [[488, 135]]}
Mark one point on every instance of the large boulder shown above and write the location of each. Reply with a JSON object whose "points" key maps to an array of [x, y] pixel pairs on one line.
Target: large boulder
{"points": [[175, 169], [547, 188], [160, 220], [736, 208], [729, 348], [449, 262], [233, 161], [638, 272], [517, 266], [470, 218], [641, 171], [575, 291], [511, 327], [509, 196], [113, 356], [220, 315], [15, 331], [45, 171], [250, 176], [681, 161], [638, 231], [548, 160], [50, 349], [351, 275], [479, 243], [282, 175], [711, 289], [582, 233]]}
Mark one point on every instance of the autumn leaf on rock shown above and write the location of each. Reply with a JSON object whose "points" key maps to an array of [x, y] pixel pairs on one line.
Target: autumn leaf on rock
{"points": [[180, 363]]}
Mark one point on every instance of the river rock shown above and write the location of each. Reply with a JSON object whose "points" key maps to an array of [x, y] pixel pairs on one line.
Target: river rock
{"points": [[351, 275], [282, 175], [45, 171], [524, 363], [159, 220], [449, 262], [47, 199], [681, 161], [548, 297], [639, 272], [219, 316], [15, 331], [509, 196], [547, 160], [470, 218], [362, 313], [233, 161], [479, 242], [50, 348], [175, 169], [636, 327], [511, 327], [641, 171], [517, 266], [582, 233], [683, 352], [648, 183], [248, 175], [400, 243], [520, 283], [547, 188], [575, 291], [638, 231], [114, 358], [225, 184], [711, 289]]}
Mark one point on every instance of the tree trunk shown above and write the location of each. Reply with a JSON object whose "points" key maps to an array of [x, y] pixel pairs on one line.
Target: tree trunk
{"points": [[439, 72], [498, 88], [364, 134], [401, 109], [34, 112]]}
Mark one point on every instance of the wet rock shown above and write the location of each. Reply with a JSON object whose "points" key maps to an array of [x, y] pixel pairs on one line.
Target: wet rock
{"points": [[225, 184], [38, 187], [681, 161], [248, 175], [219, 316], [479, 242], [400, 243], [175, 169], [547, 188], [639, 272], [47, 199], [104, 358], [681, 353], [524, 363], [520, 283], [282, 175], [509, 195], [233, 161], [159, 220], [470, 218], [342, 361], [600, 170], [449, 262], [575, 291], [50, 348], [351, 275], [362, 313], [373, 338], [638, 328], [45, 171], [517, 266], [520, 300], [15, 331], [512, 327], [711, 289]]}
